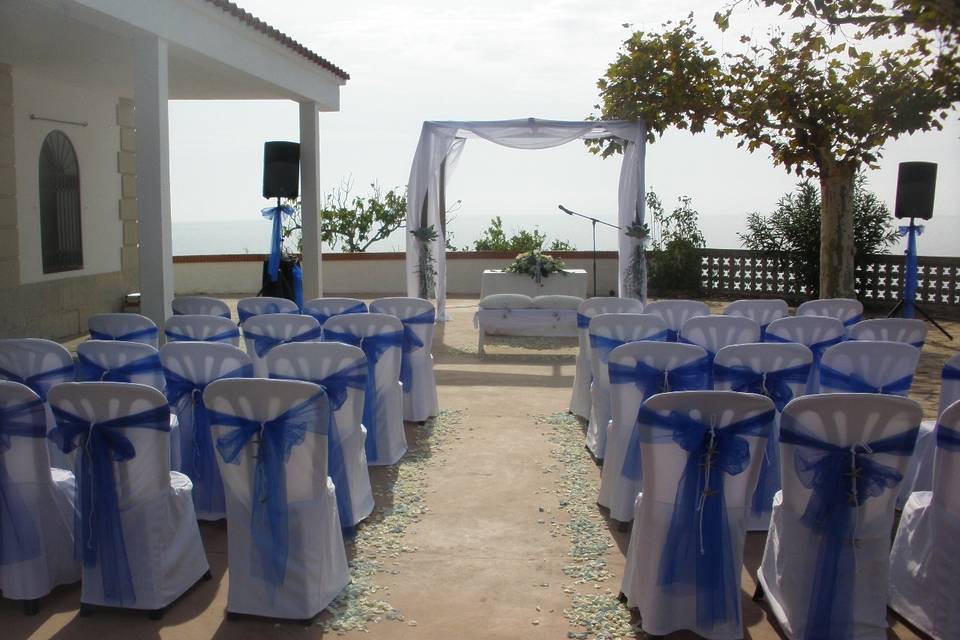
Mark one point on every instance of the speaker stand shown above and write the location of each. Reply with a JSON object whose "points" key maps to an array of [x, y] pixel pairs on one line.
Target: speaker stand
{"points": [[896, 311], [911, 290]]}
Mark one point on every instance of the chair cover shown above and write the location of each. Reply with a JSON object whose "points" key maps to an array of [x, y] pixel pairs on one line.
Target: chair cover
{"points": [[284, 546], [341, 370], [128, 327], [762, 311], [380, 337], [40, 365], [416, 365], [324, 308], [780, 372], [201, 328], [825, 565], [200, 306], [816, 332], [701, 452], [716, 332], [906, 330], [580, 400], [637, 371], [137, 531], [188, 368], [924, 566], [869, 367], [677, 312], [608, 331], [846, 310], [262, 305], [36, 502], [265, 332]]}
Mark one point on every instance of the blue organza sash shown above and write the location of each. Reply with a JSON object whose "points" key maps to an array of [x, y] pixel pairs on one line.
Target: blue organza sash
{"points": [[950, 372], [221, 315], [412, 342], [40, 383], [605, 345], [948, 438], [274, 439], [773, 384], [197, 456], [698, 548], [99, 532], [583, 322], [841, 480], [711, 356], [19, 536], [276, 214], [263, 344], [373, 347], [849, 322], [323, 317], [267, 309], [224, 336], [817, 347], [852, 383], [650, 380], [88, 370], [149, 332]]}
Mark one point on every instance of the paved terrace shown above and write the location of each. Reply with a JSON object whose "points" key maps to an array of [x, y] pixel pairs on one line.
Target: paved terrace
{"points": [[487, 529]]}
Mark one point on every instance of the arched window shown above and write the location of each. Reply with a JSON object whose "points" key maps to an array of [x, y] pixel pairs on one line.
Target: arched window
{"points": [[60, 240]]}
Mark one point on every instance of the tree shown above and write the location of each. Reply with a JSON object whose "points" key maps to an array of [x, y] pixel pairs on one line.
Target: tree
{"points": [[494, 238], [823, 110], [677, 242]]}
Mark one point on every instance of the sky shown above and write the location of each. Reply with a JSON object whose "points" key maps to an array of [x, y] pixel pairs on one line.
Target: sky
{"points": [[446, 60]]}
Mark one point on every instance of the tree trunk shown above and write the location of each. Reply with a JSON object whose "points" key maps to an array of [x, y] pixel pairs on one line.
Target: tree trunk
{"points": [[836, 230]]}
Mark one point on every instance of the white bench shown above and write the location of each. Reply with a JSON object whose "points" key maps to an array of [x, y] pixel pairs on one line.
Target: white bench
{"points": [[512, 314]]}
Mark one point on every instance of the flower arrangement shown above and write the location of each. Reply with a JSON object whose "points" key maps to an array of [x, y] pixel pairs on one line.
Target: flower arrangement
{"points": [[537, 265], [426, 271]]}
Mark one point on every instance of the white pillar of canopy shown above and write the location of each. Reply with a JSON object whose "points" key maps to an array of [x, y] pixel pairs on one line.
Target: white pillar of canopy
{"points": [[153, 177], [310, 199]]}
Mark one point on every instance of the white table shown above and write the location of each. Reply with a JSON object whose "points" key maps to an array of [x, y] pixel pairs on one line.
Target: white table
{"points": [[572, 282]]}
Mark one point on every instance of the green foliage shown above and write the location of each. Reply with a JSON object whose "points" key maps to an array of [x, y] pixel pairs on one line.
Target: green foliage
{"points": [[494, 238], [536, 264], [682, 223], [676, 264]]}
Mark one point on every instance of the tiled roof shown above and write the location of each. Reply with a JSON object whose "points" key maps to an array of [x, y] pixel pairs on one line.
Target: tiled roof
{"points": [[279, 36]]}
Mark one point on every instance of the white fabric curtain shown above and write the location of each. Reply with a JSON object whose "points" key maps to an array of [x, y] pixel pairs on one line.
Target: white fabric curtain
{"points": [[442, 142]]}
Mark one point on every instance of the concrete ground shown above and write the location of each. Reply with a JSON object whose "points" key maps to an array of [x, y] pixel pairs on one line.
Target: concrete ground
{"points": [[483, 531]]}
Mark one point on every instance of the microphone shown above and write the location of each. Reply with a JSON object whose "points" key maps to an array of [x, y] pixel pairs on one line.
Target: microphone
{"points": [[565, 210]]}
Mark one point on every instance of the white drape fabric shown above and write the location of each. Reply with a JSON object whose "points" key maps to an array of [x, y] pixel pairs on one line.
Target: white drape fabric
{"points": [[442, 142]]}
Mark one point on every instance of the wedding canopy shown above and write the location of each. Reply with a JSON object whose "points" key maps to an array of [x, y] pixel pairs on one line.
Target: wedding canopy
{"points": [[437, 152]]}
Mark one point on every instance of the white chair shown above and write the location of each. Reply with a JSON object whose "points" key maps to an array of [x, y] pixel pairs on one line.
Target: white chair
{"points": [[40, 365], [37, 503], [188, 367], [825, 566], [137, 529], [637, 371], [261, 305], [846, 310], [761, 311], [780, 372], [200, 328], [907, 330], [676, 312], [580, 400], [608, 331], [324, 308], [924, 567], [284, 548], [341, 370], [108, 361], [815, 332], [701, 453], [716, 332], [265, 332], [128, 327], [380, 337], [416, 368], [200, 306], [869, 367]]}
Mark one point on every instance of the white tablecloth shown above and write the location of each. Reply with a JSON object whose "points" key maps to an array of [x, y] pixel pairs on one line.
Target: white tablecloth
{"points": [[573, 282]]}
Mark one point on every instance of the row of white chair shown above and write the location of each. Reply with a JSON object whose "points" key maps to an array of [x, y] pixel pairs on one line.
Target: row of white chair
{"points": [[320, 308]]}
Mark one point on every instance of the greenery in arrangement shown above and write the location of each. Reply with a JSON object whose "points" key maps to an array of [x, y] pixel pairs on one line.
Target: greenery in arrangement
{"points": [[536, 264], [676, 266], [494, 238], [426, 268], [792, 231], [823, 107]]}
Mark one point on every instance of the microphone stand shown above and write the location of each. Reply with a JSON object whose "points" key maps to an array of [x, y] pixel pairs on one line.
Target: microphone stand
{"points": [[593, 222]]}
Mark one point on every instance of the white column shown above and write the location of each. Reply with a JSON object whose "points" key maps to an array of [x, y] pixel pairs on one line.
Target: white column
{"points": [[310, 198], [153, 177]]}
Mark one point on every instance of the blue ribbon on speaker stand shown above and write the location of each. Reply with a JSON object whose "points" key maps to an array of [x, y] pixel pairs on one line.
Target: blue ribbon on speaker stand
{"points": [[412, 342], [698, 550], [852, 383], [337, 386], [275, 439], [298, 286], [605, 345], [910, 280], [149, 332], [223, 336], [948, 438], [276, 214], [196, 454], [40, 383], [323, 317], [263, 344], [373, 347], [950, 372], [99, 533], [19, 535], [88, 370], [841, 480]]}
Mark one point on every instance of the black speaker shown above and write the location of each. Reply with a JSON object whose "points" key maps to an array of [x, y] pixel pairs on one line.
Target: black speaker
{"points": [[916, 184], [281, 169]]}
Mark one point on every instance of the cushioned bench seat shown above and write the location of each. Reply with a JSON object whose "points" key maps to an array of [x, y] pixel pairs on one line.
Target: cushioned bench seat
{"points": [[510, 314]]}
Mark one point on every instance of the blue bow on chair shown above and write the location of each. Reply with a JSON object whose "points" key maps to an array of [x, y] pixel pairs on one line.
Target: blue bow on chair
{"points": [[149, 332], [948, 438], [223, 336], [99, 533], [650, 380], [275, 439], [841, 480], [276, 214], [605, 345], [412, 342], [323, 317], [852, 383], [773, 384], [263, 344], [270, 307], [19, 536], [950, 372], [40, 383], [88, 370]]}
